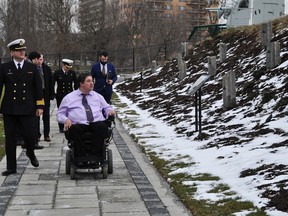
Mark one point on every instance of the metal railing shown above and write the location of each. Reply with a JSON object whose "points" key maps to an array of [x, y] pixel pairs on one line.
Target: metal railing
{"points": [[125, 61]]}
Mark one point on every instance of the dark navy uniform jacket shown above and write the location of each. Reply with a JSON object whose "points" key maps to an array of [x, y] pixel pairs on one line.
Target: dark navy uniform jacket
{"points": [[23, 89], [66, 83]]}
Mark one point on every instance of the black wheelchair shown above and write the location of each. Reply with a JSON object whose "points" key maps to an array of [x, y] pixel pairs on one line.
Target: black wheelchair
{"points": [[90, 160]]}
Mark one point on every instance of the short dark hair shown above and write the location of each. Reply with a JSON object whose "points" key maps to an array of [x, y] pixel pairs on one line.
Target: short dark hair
{"points": [[82, 77], [33, 55], [104, 53]]}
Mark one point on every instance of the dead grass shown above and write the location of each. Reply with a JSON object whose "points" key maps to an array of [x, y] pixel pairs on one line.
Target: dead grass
{"points": [[244, 45]]}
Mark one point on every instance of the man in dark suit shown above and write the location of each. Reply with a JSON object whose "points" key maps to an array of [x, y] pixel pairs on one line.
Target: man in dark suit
{"points": [[104, 76], [23, 99], [66, 80], [48, 92]]}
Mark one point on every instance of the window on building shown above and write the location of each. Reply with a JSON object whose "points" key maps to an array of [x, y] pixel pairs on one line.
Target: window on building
{"points": [[169, 7], [244, 4], [181, 16], [181, 8]]}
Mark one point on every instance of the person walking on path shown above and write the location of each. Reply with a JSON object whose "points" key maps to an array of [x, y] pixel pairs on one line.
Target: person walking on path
{"points": [[23, 99], [66, 80], [104, 76], [33, 58], [19, 138], [48, 92]]}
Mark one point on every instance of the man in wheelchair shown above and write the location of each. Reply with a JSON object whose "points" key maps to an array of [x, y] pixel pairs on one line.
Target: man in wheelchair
{"points": [[85, 110]]}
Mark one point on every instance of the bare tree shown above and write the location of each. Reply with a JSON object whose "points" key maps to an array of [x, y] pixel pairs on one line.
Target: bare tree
{"points": [[3, 26], [142, 28], [59, 16], [90, 25], [15, 20], [56, 23], [112, 15]]}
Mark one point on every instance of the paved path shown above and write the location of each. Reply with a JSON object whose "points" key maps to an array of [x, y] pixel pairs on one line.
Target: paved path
{"points": [[134, 188]]}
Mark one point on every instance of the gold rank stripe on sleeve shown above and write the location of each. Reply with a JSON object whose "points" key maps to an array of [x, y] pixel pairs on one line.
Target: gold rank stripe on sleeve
{"points": [[40, 102]]}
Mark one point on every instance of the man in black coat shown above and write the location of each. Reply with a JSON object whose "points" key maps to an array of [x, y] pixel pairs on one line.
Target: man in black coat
{"points": [[23, 99], [48, 92], [66, 80]]}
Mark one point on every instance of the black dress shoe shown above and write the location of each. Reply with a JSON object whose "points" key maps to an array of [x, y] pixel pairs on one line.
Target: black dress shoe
{"points": [[61, 131], [37, 146], [8, 172], [47, 139], [81, 164], [34, 161], [94, 164]]}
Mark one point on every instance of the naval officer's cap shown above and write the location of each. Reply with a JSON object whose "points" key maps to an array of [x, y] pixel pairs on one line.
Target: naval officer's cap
{"points": [[67, 62], [18, 44]]}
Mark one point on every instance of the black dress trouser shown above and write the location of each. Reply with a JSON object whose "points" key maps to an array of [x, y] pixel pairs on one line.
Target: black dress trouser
{"points": [[46, 122], [26, 124]]}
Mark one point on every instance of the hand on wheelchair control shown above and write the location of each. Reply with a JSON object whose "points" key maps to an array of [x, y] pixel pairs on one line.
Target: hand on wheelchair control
{"points": [[111, 113]]}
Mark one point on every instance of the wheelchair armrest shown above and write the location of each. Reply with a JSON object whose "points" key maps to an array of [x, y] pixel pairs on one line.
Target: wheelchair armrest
{"points": [[110, 120]]}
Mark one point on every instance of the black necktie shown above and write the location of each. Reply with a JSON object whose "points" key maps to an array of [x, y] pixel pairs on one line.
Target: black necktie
{"points": [[88, 110], [40, 70], [19, 66]]}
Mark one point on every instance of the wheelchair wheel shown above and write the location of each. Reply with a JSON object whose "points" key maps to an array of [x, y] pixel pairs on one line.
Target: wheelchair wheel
{"points": [[105, 171], [68, 161], [72, 172], [110, 161]]}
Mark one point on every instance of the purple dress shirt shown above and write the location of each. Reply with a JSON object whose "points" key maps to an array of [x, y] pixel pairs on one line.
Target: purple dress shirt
{"points": [[71, 107]]}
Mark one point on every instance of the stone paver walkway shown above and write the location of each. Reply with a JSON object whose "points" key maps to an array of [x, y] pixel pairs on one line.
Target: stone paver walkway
{"points": [[134, 188]]}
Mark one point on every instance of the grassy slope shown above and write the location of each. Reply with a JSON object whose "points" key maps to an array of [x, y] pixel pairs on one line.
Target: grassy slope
{"points": [[244, 57]]}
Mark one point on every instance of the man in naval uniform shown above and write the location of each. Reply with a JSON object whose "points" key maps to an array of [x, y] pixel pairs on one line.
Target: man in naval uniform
{"points": [[23, 99], [66, 80]]}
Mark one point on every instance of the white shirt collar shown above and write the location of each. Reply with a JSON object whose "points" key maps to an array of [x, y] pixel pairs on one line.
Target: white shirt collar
{"points": [[104, 66], [80, 92], [16, 63]]}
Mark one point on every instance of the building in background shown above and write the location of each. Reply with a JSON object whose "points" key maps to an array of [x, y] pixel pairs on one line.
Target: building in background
{"points": [[249, 12], [187, 13], [90, 10]]}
